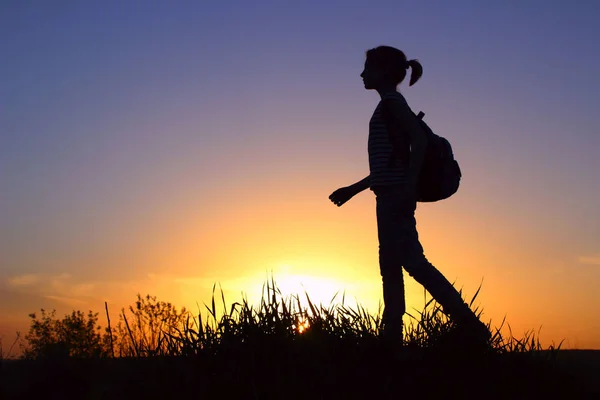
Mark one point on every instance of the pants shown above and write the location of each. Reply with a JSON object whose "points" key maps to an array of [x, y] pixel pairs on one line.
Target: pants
{"points": [[399, 247]]}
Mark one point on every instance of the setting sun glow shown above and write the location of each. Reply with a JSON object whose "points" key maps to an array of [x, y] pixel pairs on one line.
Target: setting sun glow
{"points": [[302, 325], [319, 290]]}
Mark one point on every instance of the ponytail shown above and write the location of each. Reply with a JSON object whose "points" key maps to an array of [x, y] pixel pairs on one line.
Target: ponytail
{"points": [[416, 73]]}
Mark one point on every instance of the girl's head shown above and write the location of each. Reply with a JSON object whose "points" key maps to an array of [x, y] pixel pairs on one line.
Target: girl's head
{"points": [[386, 66]]}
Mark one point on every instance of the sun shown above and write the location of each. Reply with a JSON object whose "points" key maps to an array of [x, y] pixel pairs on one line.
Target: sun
{"points": [[320, 290], [303, 325]]}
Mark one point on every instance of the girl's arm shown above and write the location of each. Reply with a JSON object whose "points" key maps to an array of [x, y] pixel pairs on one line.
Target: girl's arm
{"points": [[362, 184]]}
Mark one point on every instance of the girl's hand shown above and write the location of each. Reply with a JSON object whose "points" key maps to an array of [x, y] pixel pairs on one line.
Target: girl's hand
{"points": [[342, 195]]}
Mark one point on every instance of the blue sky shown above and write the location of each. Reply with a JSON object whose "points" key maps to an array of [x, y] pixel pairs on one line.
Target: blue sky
{"points": [[124, 124]]}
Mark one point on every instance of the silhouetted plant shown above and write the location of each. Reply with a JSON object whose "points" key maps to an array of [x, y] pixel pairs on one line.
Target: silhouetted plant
{"points": [[8, 354], [145, 332], [76, 335]]}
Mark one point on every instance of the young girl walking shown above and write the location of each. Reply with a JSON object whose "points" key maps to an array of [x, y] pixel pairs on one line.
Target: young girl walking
{"points": [[396, 148]]}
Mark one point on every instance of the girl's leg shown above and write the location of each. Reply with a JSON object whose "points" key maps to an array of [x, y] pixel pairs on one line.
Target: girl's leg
{"points": [[390, 232], [399, 246], [417, 266]]}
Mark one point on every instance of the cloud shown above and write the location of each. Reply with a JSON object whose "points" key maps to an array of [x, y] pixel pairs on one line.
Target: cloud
{"points": [[62, 288], [73, 291], [24, 280], [590, 260], [69, 301]]}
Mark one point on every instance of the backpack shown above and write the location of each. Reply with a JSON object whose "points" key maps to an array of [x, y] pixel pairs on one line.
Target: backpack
{"points": [[440, 174]]}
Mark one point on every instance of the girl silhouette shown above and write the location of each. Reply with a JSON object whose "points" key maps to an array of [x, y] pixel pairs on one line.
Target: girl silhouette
{"points": [[396, 149]]}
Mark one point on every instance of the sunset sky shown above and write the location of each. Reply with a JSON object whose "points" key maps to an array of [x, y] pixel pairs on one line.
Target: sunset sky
{"points": [[162, 146]]}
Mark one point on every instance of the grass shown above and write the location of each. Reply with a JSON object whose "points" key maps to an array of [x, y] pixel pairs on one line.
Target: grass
{"points": [[283, 318], [281, 350]]}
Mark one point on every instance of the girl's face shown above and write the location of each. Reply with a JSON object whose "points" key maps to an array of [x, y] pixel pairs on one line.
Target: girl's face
{"points": [[373, 76]]}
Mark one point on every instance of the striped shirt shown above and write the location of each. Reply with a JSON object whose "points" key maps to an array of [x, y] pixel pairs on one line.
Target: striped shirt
{"points": [[380, 149]]}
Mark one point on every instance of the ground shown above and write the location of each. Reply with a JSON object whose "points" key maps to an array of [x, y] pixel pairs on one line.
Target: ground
{"points": [[308, 372]]}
